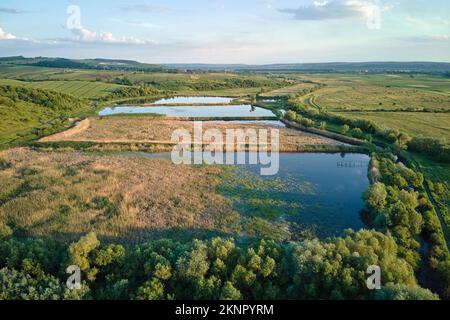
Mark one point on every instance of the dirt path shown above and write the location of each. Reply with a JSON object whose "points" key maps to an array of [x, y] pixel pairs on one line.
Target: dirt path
{"points": [[78, 128]]}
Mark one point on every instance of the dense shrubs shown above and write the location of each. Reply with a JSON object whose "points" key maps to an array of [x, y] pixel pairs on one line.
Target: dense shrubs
{"points": [[213, 269], [393, 205], [47, 99], [429, 146], [132, 92], [194, 84]]}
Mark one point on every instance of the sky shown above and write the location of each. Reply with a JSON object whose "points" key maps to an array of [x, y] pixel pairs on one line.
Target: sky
{"points": [[228, 31]]}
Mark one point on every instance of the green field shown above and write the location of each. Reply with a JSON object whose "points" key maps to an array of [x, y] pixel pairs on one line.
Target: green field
{"points": [[80, 89], [344, 92], [435, 125], [295, 89]]}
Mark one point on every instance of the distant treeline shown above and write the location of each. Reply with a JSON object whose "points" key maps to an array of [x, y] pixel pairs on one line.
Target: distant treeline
{"points": [[364, 67], [209, 85], [96, 64]]}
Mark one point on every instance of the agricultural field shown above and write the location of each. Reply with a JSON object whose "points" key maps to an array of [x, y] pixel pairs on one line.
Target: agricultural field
{"points": [[183, 83], [391, 101], [80, 89], [364, 96], [435, 125], [31, 73], [291, 90]]}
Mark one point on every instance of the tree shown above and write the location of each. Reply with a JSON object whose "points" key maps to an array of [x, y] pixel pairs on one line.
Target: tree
{"points": [[323, 125], [345, 129], [357, 133], [440, 189], [5, 231], [291, 115], [375, 197], [403, 292], [229, 292], [79, 254], [151, 290], [402, 141], [307, 122]]}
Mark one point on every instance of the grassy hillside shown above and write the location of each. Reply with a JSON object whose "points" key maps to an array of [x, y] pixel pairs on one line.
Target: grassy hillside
{"points": [[27, 114], [81, 89]]}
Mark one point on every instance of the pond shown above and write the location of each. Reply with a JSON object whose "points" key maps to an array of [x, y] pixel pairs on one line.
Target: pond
{"points": [[232, 111], [319, 192], [193, 100], [272, 123]]}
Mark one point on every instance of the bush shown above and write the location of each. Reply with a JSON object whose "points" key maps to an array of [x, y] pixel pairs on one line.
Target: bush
{"points": [[357, 133], [4, 164], [291, 115], [345, 129]]}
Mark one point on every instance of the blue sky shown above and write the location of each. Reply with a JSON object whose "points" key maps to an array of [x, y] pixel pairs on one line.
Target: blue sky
{"points": [[228, 31]]}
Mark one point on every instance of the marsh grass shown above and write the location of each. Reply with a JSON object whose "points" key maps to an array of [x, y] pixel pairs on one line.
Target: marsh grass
{"points": [[267, 204], [65, 194]]}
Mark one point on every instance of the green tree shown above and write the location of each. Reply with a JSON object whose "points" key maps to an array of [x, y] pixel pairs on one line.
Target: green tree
{"points": [[403, 292], [375, 197], [291, 115], [79, 254], [345, 129], [229, 292]]}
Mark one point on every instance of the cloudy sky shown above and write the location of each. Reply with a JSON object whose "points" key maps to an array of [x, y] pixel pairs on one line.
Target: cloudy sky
{"points": [[228, 31]]}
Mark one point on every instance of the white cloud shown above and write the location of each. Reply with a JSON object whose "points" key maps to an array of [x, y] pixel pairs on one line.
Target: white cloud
{"points": [[6, 36], [337, 9], [320, 4], [146, 8], [83, 34]]}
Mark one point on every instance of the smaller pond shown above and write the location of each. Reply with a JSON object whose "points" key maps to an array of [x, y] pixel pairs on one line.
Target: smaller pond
{"points": [[193, 100], [272, 123], [232, 111]]}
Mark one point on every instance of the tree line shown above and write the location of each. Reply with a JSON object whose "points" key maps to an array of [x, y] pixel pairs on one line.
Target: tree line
{"points": [[218, 268], [397, 204]]}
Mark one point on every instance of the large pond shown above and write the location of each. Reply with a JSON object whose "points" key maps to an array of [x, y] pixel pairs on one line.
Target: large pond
{"points": [[194, 100], [232, 111], [315, 191]]}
